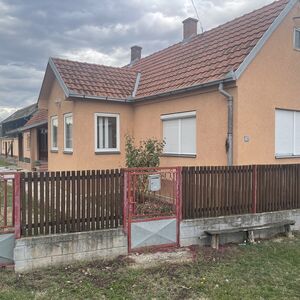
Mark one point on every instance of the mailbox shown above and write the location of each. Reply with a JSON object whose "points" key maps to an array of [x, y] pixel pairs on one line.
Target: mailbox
{"points": [[154, 183]]}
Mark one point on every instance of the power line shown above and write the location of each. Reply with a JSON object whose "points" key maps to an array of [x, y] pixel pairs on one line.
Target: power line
{"points": [[197, 15]]}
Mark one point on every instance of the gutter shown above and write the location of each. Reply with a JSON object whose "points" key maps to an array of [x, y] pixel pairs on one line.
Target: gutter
{"points": [[156, 96], [229, 140], [184, 90], [87, 97]]}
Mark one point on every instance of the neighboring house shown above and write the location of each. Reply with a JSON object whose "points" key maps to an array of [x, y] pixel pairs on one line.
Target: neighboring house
{"points": [[14, 144], [36, 131], [230, 95]]}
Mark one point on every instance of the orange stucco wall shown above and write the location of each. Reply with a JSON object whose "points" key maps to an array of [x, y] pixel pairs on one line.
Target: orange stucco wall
{"points": [[271, 81], [141, 121], [211, 124], [83, 156]]}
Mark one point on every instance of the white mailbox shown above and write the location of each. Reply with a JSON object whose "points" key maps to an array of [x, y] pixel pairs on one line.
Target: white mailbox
{"points": [[154, 183]]}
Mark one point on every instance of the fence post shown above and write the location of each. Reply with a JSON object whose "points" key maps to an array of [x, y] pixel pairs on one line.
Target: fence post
{"points": [[17, 205], [254, 188]]}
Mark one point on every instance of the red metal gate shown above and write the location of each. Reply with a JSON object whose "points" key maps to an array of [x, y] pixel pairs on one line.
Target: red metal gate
{"points": [[9, 215], [152, 207]]}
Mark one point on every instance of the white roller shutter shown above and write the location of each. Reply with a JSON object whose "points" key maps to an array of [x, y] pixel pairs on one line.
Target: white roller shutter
{"points": [[188, 136], [284, 132], [171, 136]]}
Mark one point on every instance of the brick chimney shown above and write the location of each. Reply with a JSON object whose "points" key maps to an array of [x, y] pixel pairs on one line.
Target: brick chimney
{"points": [[189, 28], [136, 54]]}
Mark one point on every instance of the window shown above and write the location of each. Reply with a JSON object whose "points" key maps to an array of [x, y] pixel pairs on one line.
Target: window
{"points": [[287, 132], [68, 132], [179, 133], [297, 38], [107, 132], [54, 128]]}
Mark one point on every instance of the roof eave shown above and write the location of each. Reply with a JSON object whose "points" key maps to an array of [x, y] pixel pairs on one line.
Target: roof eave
{"points": [[103, 98], [254, 52], [24, 128], [186, 89]]}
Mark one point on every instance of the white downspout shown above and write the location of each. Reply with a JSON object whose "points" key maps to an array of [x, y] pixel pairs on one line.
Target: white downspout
{"points": [[229, 140]]}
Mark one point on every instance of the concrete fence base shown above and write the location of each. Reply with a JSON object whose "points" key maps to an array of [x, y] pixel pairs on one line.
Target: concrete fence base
{"points": [[42, 251], [192, 231]]}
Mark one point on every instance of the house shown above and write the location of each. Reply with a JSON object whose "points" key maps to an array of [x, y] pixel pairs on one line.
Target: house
{"points": [[230, 95], [36, 129], [15, 145]]}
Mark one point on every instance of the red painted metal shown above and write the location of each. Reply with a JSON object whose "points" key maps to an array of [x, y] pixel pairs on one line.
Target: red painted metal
{"points": [[142, 205], [17, 205], [10, 193]]}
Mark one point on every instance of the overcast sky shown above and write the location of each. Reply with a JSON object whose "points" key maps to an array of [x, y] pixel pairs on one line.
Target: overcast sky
{"points": [[98, 31]]}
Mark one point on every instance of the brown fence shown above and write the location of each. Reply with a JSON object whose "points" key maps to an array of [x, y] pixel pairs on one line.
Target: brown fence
{"points": [[221, 191], [61, 202]]}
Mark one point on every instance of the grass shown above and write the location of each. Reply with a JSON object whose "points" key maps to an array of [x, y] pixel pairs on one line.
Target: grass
{"points": [[268, 270], [4, 163]]}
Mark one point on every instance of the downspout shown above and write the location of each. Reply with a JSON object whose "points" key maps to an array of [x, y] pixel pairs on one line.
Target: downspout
{"points": [[229, 140]]}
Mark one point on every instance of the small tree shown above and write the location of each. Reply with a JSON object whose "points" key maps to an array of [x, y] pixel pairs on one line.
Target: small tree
{"points": [[147, 154]]}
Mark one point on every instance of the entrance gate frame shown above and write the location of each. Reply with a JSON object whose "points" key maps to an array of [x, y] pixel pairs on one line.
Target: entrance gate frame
{"points": [[11, 227], [129, 215]]}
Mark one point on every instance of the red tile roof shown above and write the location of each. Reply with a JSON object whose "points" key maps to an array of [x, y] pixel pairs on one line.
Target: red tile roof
{"points": [[206, 57], [96, 80], [38, 118]]}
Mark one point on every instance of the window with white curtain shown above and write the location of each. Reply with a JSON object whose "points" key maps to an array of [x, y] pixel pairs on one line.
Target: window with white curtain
{"points": [[107, 132], [54, 129], [297, 38], [68, 132], [287, 132], [179, 133]]}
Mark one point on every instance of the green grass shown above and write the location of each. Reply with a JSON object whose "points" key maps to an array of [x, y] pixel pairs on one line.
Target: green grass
{"points": [[4, 163], [268, 270]]}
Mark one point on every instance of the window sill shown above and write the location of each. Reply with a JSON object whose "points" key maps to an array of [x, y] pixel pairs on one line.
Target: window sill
{"points": [[179, 155], [54, 150], [69, 152], [107, 152], [286, 156]]}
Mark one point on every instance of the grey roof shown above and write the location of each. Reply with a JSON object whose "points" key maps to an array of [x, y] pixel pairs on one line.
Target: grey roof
{"points": [[21, 113]]}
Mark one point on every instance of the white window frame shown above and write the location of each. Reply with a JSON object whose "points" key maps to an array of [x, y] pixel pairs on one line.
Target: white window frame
{"points": [[52, 138], [179, 117], [294, 154], [65, 148], [111, 115], [294, 39]]}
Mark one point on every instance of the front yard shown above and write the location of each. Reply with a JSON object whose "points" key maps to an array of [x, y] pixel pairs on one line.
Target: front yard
{"points": [[267, 270], [4, 163]]}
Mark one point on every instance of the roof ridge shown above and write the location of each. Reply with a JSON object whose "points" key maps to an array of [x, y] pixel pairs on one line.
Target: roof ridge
{"points": [[88, 63]]}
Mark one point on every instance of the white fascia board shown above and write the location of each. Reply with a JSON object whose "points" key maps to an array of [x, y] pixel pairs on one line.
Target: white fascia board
{"points": [[59, 78], [243, 66]]}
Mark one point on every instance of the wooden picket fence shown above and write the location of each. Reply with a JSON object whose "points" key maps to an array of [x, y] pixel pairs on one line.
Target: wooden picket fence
{"points": [[61, 202], [221, 191]]}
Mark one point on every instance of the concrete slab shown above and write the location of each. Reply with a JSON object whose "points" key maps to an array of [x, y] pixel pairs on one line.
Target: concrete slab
{"points": [[147, 260]]}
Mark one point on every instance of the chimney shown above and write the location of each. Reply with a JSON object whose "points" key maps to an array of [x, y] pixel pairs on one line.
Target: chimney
{"points": [[189, 28], [136, 54]]}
